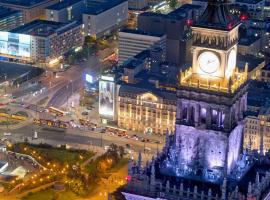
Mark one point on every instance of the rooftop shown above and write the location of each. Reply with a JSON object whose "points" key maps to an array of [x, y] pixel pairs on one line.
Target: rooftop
{"points": [[266, 67], [4, 12], [63, 4], [258, 93], [248, 40], [145, 86], [96, 7], [23, 3], [40, 28], [44, 28], [248, 1]]}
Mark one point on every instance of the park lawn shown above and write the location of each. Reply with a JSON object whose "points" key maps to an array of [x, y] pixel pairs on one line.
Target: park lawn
{"points": [[51, 194], [65, 156]]}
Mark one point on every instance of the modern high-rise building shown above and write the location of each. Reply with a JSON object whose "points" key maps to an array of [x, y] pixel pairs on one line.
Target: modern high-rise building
{"points": [[65, 11], [31, 9], [102, 17], [132, 42], [9, 18], [176, 26]]}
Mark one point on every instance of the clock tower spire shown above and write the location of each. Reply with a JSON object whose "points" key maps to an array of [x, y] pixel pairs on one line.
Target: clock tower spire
{"points": [[214, 47]]}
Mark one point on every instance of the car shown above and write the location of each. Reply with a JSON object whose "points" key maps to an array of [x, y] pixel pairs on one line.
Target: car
{"points": [[103, 131], [84, 113], [7, 134], [3, 139]]}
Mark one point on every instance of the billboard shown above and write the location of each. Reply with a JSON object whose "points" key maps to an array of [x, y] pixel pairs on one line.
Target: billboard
{"points": [[15, 44], [106, 98], [89, 78]]}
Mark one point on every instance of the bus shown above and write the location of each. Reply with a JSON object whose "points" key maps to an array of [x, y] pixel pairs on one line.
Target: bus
{"points": [[56, 111], [116, 131]]}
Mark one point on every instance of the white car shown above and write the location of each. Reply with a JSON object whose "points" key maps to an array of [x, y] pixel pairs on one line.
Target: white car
{"points": [[7, 134]]}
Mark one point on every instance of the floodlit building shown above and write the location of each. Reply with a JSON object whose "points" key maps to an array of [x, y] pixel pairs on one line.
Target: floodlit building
{"points": [[203, 159], [103, 17], [257, 130], [9, 18], [65, 11], [146, 108], [31, 9]]}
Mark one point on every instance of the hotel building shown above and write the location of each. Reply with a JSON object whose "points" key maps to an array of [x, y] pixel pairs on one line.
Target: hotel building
{"points": [[132, 42], [50, 40]]}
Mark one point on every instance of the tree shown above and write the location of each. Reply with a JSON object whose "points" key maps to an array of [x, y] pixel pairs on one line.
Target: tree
{"points": [[173, 3]]}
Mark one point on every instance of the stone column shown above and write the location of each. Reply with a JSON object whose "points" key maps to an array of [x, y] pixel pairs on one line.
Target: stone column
{"points": [[227, 120], [208, 116], [197, 115], [219, 115], [188, 113], [180, 110]]}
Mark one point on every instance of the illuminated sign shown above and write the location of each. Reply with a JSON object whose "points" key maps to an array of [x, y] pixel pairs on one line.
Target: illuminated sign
{"points": [[89, 78], [15, 44], [107, 78], [106, 98]]}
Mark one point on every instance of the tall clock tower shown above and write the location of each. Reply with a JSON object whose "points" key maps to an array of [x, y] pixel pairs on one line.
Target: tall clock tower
{"points": [[212, 97]]}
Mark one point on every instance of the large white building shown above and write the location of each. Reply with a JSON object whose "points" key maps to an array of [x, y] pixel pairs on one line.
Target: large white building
{"points": [[132, 42], [65, 11], [102, 17]]}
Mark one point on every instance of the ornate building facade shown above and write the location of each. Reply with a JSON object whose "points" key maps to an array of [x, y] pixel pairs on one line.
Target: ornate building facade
{"points": [[149, 110], [257, 131]]}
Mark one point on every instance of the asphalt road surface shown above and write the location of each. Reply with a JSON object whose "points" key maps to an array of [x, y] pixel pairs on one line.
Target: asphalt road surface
{"points": [[75, 136]]}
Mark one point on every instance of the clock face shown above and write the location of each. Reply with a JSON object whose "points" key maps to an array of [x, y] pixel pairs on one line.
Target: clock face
{"points": [[232, 60], [208, 62]]}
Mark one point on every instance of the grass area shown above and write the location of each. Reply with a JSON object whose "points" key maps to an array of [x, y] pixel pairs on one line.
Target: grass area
{"points": [[50, 194], [65, 156], [45, 153], [8, 122]]}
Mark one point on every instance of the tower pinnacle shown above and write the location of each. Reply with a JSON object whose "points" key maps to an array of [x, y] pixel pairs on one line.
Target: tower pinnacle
{"points": [[217, 16]]}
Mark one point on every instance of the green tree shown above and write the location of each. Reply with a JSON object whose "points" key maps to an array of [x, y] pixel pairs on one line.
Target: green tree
{"points": [[173, 3]]}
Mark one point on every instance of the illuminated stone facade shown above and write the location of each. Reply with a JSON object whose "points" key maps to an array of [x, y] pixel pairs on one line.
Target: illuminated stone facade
{"points": [[257, 131], [211, 100], [146, 111]]}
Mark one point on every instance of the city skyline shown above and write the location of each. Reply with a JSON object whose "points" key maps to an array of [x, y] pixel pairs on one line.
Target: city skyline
{"points": [[134, 99]]}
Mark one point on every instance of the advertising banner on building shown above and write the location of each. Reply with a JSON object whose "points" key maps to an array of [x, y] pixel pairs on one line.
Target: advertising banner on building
{"points": [[15, 44], [106, 98]]}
